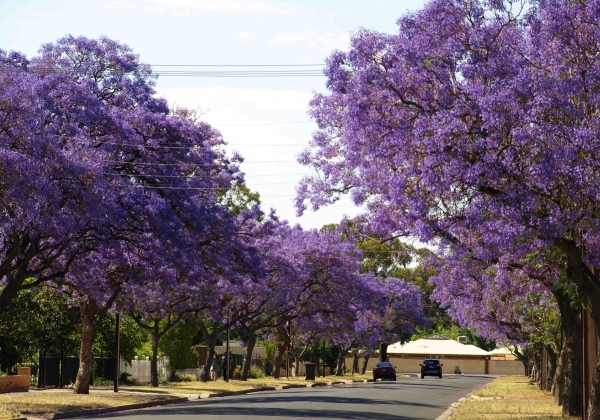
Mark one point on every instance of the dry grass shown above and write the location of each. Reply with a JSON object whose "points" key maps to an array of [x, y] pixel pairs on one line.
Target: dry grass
{"points": [[509, 397], [57, 401], [235, 385], [41, 402]]}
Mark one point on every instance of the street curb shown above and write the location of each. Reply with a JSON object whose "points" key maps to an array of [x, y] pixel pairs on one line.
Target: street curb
{"points": [[191, 397], [78, 413], [450, 411]]}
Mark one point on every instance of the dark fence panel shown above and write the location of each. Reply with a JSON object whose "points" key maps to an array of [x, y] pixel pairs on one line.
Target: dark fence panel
{"points": [[69, 368], [51, 375], [52, 370], [104, 367]]}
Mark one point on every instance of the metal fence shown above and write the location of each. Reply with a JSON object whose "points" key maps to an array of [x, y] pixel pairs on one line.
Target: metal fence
{"points": [[54, 370]]}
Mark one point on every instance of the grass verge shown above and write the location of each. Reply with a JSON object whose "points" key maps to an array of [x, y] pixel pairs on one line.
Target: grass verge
{"points": [[41, 402], [510, 397], [234, 385], [59, 401]]}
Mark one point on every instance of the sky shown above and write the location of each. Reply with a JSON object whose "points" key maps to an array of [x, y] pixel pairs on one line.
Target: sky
{"points": [[263, 118]]}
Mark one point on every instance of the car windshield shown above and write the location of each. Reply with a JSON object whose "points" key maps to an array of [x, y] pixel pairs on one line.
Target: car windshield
{"points": [[431, 362], [384, 364]]}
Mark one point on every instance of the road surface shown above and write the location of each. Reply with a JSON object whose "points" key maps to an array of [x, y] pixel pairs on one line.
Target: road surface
{"points": [[408, 398]]}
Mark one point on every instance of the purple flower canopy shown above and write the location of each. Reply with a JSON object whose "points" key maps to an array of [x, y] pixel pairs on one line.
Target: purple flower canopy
{"points": [[474, 129], [99, 174], [113, 195]]}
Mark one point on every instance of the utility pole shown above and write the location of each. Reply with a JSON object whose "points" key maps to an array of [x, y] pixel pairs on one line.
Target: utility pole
{"points": [[117, 353], [287, 360], [226, 361]]}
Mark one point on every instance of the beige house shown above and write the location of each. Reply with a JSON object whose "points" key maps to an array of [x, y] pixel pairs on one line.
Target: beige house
{"points": [[468, 358]]}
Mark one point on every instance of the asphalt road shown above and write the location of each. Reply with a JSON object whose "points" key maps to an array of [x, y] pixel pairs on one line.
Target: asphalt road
{"points": [[408, 398]]}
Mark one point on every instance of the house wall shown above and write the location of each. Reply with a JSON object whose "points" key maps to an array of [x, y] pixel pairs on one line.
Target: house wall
{"points": [[467, 366]]}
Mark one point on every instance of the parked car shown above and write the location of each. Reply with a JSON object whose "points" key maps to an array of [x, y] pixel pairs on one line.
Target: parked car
{"points": [[431, 367], [384, 370]]}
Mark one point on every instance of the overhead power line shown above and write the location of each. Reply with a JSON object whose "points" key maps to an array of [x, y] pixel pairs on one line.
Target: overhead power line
{"points": [[237, 65], [212, 70], [245, 73]]}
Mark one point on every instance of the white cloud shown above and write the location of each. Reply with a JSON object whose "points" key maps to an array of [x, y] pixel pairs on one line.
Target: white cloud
{"points": [[118, 5], [224, 6], [243, 36], [313, 39], [267, 127]]}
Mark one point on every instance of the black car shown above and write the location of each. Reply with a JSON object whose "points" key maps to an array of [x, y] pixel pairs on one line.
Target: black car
{"points": [[384, 370], [431, 367]]}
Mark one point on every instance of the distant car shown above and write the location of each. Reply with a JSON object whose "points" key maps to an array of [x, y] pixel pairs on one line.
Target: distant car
{"points": [[384, 370], [431, 367]]}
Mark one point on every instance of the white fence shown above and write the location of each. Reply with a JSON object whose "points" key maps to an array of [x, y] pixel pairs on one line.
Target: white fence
{"points": [[140, 369]]}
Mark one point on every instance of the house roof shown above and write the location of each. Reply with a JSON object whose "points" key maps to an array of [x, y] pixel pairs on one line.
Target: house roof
{"points": [[439, 345], [501, 351]]}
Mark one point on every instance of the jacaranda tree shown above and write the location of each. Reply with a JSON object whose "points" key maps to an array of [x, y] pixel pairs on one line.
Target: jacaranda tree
{"points": [[105, 184], [476, 113]]}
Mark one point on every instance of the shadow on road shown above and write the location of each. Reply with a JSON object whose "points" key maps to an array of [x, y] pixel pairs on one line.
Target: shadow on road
{"points": [[245, 411], [290, 398]]}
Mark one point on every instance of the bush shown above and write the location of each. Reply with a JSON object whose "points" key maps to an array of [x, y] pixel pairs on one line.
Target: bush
{"points": [[184, 377], [237, 373], [256, 373], [177, 346], [102, 382], [124, 378], [33, 380]]}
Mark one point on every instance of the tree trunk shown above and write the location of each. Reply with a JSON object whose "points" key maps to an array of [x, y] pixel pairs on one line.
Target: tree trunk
{"points": [[365, 362], [594, 402], [86, 358], [558, 386], [383, 352], [355, 368], [211, 342], [570, 383], [535, 360], [154, 359], [296, 366], [248, 359], [551, 367], [278, 359], [339, 371]]}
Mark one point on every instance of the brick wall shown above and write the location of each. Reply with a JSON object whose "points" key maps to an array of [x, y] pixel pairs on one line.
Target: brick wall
{"points": [[16, 383]]}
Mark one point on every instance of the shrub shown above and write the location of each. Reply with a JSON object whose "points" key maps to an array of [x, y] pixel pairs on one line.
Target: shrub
{"points": [[184, 377], [237, 373], [256, 373], [124, 378], [101, 382]]}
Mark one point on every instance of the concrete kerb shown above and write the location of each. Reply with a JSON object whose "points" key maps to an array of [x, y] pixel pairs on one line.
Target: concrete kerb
{"points": [[189, 397], [454, 406], [79, 413]]}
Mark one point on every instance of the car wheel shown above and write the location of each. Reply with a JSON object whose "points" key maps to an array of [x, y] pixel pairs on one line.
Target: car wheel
{"points": [[394, 379], [422, 376], [440, 376]]}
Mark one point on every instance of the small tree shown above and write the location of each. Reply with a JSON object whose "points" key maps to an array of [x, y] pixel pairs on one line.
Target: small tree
{"points": [[177, 344]]}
